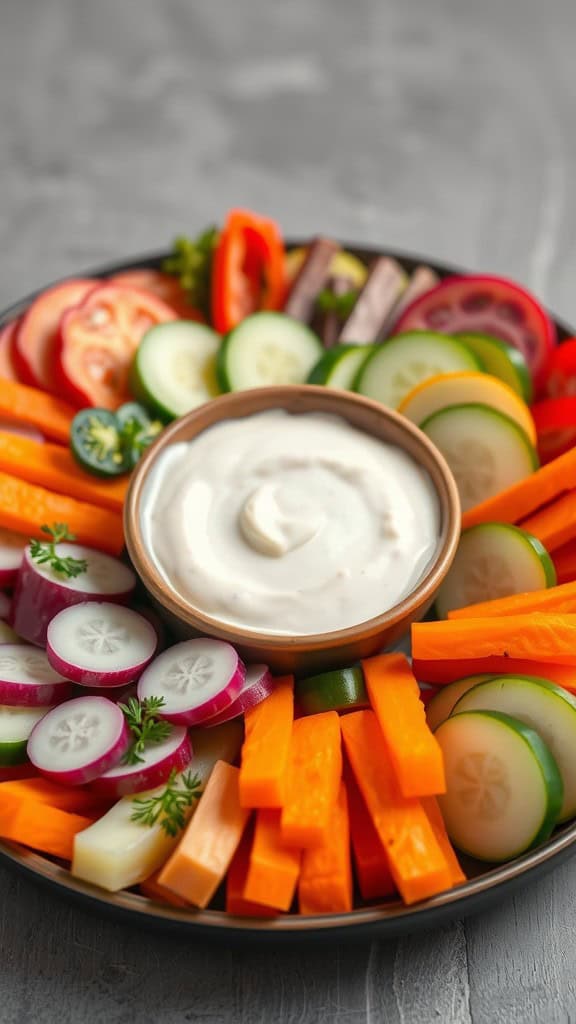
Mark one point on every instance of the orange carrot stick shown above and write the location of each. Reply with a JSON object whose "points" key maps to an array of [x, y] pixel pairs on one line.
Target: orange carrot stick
{"points": [[414, 752], [273, 868], [151, 888], [555, 524], [43, 791], [54, 467], [313, 779], [370, 858], [560, 599], [442, 671], [25, 507], [50, 415], [265, 752], [564, 559], [201, 859], [537, 637], [430, 805], [325, 885], [418, 865], [238, 875], [43, 828], [518, 501]]}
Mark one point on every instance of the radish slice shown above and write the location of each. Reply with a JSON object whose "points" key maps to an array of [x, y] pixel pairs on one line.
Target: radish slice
{"points": [[197, 679], [100, 644], [258, 685], [12, 548], [158, 760], [27, 679], [79, 740], [5, 604], [41, 593]]}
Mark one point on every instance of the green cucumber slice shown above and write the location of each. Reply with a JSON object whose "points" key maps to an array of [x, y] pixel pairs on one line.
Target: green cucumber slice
{"points": [[267, 349], [341, 690], [402, 362], [494, 560], [504, 789], [339, 366], [542, 706], [501, 360], [486, 450], [16, 724], [439, 708], [174, 368]]}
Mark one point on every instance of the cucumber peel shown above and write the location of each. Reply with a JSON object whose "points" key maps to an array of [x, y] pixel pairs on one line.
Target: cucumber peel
{"points": [[340, 690]]}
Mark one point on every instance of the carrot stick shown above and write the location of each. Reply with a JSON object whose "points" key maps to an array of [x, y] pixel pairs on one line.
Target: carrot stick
{"points": [[151, 888], [43, 791], [443, 671], [538, 637], [238, 875], [25, 507], [370, 858], [273, 868], [555, 524], [41, 827], [50, 415], [414, 752], [325, 885], [54, 467], [417, 863], [265, 752], [524, 497], [313, 780], [564, 559], [554, 599], [201, 859], [430, 805]]}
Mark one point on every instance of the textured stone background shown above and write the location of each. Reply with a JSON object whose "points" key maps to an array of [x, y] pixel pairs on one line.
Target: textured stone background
{"points": [[443, 126]]}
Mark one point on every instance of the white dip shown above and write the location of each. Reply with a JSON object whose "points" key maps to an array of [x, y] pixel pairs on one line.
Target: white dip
{"points": [[290, 524]]}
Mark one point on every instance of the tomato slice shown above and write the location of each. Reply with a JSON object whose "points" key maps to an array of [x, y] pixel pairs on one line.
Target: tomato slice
{"points": [[561, 370], [36, 340], [249, 269], [555, 422], [8, 369], [163, 286], [98, 340], [484, 304]]}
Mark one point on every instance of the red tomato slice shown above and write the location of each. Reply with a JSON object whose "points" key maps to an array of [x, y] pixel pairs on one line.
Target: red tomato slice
{"points": [[555, 422], [36, 339], [163, 286], [98, 340], [484, 304], [7, 363], [561, 370]]}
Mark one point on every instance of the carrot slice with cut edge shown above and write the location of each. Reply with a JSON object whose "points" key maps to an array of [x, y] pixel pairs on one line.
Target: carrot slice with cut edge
{"points": [[237, 877], [370, 858], [43, 828], [152, 889], [555, 524], [50, 415], [560, 599], [430, 805], [266, 748], [325, 885], [537, 636], [417, 863], [313, 780], [564, 559], [414, 752], [524, 497], [448, 670], [43, 791], [273, 868]]}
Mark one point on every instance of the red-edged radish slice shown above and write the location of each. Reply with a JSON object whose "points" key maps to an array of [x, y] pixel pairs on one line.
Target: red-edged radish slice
{"points": [[100, 644], [41, 593], [5, 604], [12, 548], [27, 679], [36, 339], [258, 685], [197, 679], [158, 760], [79, 740]]}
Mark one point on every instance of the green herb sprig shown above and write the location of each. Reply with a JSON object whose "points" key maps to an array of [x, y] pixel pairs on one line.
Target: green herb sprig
{"points": [[191, 262], [145, 726], [168, 809], [330, 302], [44, 552]]}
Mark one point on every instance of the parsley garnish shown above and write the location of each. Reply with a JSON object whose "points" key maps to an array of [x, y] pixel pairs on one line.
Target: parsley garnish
{"points": [[330, 302], [44, 552], [191, 262], [168, 809], [145, 726]]}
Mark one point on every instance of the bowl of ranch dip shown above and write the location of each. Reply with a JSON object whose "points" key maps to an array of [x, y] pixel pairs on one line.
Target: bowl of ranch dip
{"points": [[307, 527]]}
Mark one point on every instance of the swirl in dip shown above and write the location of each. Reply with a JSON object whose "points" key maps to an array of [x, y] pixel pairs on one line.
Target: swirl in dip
{"points": [[289, 523]]}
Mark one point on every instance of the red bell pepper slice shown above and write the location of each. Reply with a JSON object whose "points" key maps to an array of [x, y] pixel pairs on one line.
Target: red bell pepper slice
{"points": [[561, 370], [249, 269], [555, 422]]}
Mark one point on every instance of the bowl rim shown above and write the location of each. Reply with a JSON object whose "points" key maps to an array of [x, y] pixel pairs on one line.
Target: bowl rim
{"points": [[224, 408]]}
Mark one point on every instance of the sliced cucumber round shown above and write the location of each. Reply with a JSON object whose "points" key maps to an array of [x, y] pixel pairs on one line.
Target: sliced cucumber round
{"points": [[494, 560], [402, 362], [439, 708], [339, 366], [340, 690], [174, 368], [504, 789], [267, 349], [542, 706], [16, 724], [486, 450], [502, 360]]}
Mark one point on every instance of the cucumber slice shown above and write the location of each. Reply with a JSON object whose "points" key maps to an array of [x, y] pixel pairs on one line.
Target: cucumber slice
{"points": [[494, 560], [439, 708], [174, 368], [341, 690], [402, 362], [16, 724], [267, 349], [339, 366], [486, 450], [502, 360], [504, 790], [542, 706]]}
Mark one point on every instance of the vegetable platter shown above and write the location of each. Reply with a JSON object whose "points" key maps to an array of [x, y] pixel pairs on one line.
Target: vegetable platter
{"points": [[124, 792]]}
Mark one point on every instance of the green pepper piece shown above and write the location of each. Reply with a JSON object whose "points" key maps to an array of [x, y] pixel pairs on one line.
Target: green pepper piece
{"points": [[96, 443], [137, 431], [340, 690]]}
